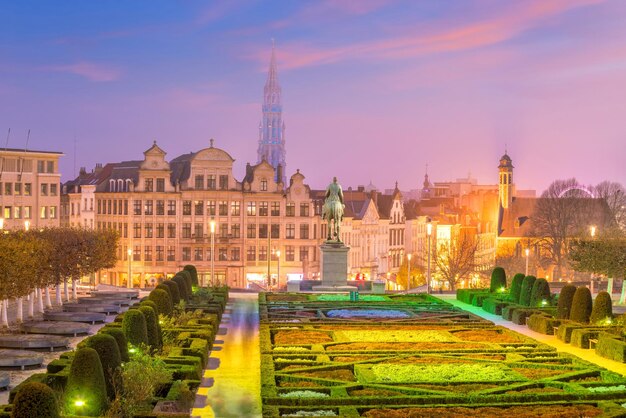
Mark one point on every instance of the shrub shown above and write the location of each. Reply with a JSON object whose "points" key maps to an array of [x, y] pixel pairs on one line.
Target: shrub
{"points": [[110, 358], [494, 306], [581, 305], [611, 346], [182, 287], [602, 308], [151, 304], [174, 291], [516, 287], [526, 289], [134, 327], [164, 287], [540, 293], [85, 383], [35, 400], [186, 275], [564, 305], [498, 280], [120, 339], [542, 323], [152, 326], [142, 376], [162, 300], [193, 272]]}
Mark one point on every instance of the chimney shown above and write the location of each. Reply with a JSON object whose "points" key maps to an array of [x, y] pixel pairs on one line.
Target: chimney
{"points": [[360, 188], [82, 171], [98, 168]]}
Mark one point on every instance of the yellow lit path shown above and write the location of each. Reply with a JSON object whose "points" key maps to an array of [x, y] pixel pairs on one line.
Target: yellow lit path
{"points": [[231, 384], [585, 354]]}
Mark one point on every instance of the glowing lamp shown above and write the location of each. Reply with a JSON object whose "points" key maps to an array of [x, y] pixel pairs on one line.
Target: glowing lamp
{"points": [[79, 403], [544, 302]]}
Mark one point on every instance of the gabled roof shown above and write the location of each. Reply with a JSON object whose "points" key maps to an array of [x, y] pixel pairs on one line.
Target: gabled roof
{"points": [[181, 168]]}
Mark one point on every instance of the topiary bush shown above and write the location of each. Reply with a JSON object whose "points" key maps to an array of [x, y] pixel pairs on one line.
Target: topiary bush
{"points": [[35, 400], [174, 291], [135, 328], [186, 275], [498, 280], [86, 385], [581, 305], [152, 327], [182, 287], [110, 358], [602, 308], [193, 272], [526, 289], [120, 339], [540, 293], [516, 287], [151, 304], [564, 305], [162, 300]]}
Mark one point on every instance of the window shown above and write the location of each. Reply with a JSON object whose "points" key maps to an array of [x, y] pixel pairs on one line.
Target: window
{"points": [[211, 182], [210, 208], [171, 207], [149, 232], [28, 189], [235, 254], [304, 209], [222, 254], [198, 207], [304, 253], [27, 212], [235, 230], [125, 229], [160, 231], [262, 230], [147, 253], [17, 212], [197, 254], [7, 212], [160, 207], [159, 253], [291, 231], [136, 207], [114, 207], [199, 182], [18, 189], [125, 206], [136, 230], [52, 210], [263, 206], [251, 210], [50, 166], [44, 189], [186, 253], [186, 207], [223, 182], [275, 230], [208, 254], [291, 209], [224, 230], [40, 166], [186, 230], [262, 253], [304, 231], [171, 230], [263, 185], [289, 253], [53, 189], [251, 254], [223, 208], [148, 185], [148, 208], [160, 185], [235, 208], [275, 209], [136, 253], [43, 212], [171, 253], [251, 231]]}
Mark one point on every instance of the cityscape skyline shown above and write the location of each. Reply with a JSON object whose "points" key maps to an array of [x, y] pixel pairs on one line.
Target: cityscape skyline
{"points": [[454, 83]]}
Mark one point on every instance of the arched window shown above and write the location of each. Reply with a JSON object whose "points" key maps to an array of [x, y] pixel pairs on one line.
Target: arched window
{"points": [[120, 185], [111, 185], [128, 183]]}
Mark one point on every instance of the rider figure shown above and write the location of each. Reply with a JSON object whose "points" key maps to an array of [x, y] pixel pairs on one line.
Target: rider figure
{"points": [[334, 198]]}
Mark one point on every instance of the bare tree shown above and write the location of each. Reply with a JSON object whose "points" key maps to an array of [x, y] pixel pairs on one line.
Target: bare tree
{"points": [[455, 260], [614, 195]]}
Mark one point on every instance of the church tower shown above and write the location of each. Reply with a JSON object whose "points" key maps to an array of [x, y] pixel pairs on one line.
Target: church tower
{"points": [[505, 185], [272, 128]]}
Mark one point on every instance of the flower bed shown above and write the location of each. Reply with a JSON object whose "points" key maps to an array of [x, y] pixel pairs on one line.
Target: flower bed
{"points": [[339, 297], [301, 337], [541, 411], [394, 336], [366, 313], [414, 373]]}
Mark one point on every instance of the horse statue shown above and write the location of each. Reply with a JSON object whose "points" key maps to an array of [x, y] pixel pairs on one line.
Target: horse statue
{"points": [[332, 211]]}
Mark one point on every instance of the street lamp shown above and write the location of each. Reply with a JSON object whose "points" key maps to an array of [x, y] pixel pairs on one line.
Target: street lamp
{"points": [[408, 256], [212, 225], [429, 232], [593, 231], [527, 254], [129, 282], [278, 272], [26, 225]]}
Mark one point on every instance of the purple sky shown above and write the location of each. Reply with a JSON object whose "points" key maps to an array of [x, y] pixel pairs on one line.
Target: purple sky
{"points": [[372, 89]]}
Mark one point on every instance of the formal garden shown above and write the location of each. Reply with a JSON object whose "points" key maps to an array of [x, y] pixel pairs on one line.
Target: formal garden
{"points": [[148, 362], [418, 356]]}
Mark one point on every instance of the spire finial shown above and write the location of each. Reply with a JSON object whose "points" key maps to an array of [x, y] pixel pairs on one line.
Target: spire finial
{"points": [[154, 142], [211, 142]]}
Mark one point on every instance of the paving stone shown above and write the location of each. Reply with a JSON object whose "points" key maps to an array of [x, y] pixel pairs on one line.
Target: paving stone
{"points": [[55, 328], [4, 380], [33, 341], [19, 358], [105, 301], [130, 294], [90, 317], [92, 307]]}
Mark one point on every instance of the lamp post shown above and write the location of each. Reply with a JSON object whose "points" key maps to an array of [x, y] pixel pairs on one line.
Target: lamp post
{"points": [[278, 270], [429, 232], [212, 225], [129, 282], [408, 280], [527, 254]]}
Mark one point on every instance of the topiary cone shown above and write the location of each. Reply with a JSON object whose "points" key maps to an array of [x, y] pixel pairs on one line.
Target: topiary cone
{"points": [[539, 293], [564, 305], [581, 305], [110, 358], [152, 327], [498, 280], [135, 328], [162, 300], [602, 308], [516, 287], [526, 289], [85, 392], [35, 400]]}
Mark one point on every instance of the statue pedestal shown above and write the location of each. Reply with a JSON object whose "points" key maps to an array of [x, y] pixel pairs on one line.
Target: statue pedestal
{"points": [[334, 268]]}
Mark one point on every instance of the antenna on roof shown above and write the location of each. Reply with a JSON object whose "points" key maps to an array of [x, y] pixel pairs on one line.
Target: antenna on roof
{"points": [[6, 145]]}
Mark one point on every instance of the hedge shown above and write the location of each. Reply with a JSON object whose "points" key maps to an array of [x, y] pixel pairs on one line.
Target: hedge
{"points": [[526, 289], [602, 308], [194, 273], [174, 291], [182, 287], [581, 305], [540, 293], [564, 305], [35, 400], [152, 327], [86, 383], [120, 339], [162, 300], [542, 323], [135, 328], [186, 275], [110, 358], [611, 346], [516, 287], [498, 280], [494, 306]]}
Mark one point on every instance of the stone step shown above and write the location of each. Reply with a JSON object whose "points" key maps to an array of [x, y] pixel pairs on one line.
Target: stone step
{"points": [[33, 341], [89, 307], [130, 294], [55, 328], [105, 301], [89, 317], [19, 358]]}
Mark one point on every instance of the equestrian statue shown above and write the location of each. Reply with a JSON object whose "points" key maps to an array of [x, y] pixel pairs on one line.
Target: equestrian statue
{"points": [[332, 211]]}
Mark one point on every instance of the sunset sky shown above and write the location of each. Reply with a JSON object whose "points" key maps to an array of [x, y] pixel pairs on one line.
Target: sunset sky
{"points": [[372, 89]]}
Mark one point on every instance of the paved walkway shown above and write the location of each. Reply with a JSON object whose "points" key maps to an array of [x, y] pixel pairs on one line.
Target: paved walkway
{"points": [[585, 354], [232, 382]]}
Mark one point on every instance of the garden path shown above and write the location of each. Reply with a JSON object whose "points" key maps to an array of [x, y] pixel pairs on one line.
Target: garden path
{"points": [[585, 354], [231, 384]]}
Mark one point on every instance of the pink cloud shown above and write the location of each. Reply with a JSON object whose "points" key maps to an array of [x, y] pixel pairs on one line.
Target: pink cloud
{"points": [[89, 70]]}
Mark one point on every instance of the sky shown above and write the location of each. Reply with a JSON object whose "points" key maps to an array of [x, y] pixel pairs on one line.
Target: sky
{"points": [[373, 90]]}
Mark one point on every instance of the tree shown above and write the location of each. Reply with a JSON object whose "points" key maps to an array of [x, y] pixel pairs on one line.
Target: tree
{"points": [[418, 277], [605, 254], [614, 195], [509, 257], [455, 259]]}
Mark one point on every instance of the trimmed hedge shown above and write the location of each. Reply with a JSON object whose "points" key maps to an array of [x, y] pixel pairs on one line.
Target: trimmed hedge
{"points": [[542, 323], [526, 289], [135, 328], [540, 292], [162, 300], [110, 358], [186, 275], [86, 383], [516, 287], [194, 273], [174, 291], [602, 308], [152, 327], [35, 400], [151, 304], [494, 306], [498, 280], [120, 339], [611, 346], [581, 305], [182, 287], [564, 305]]}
